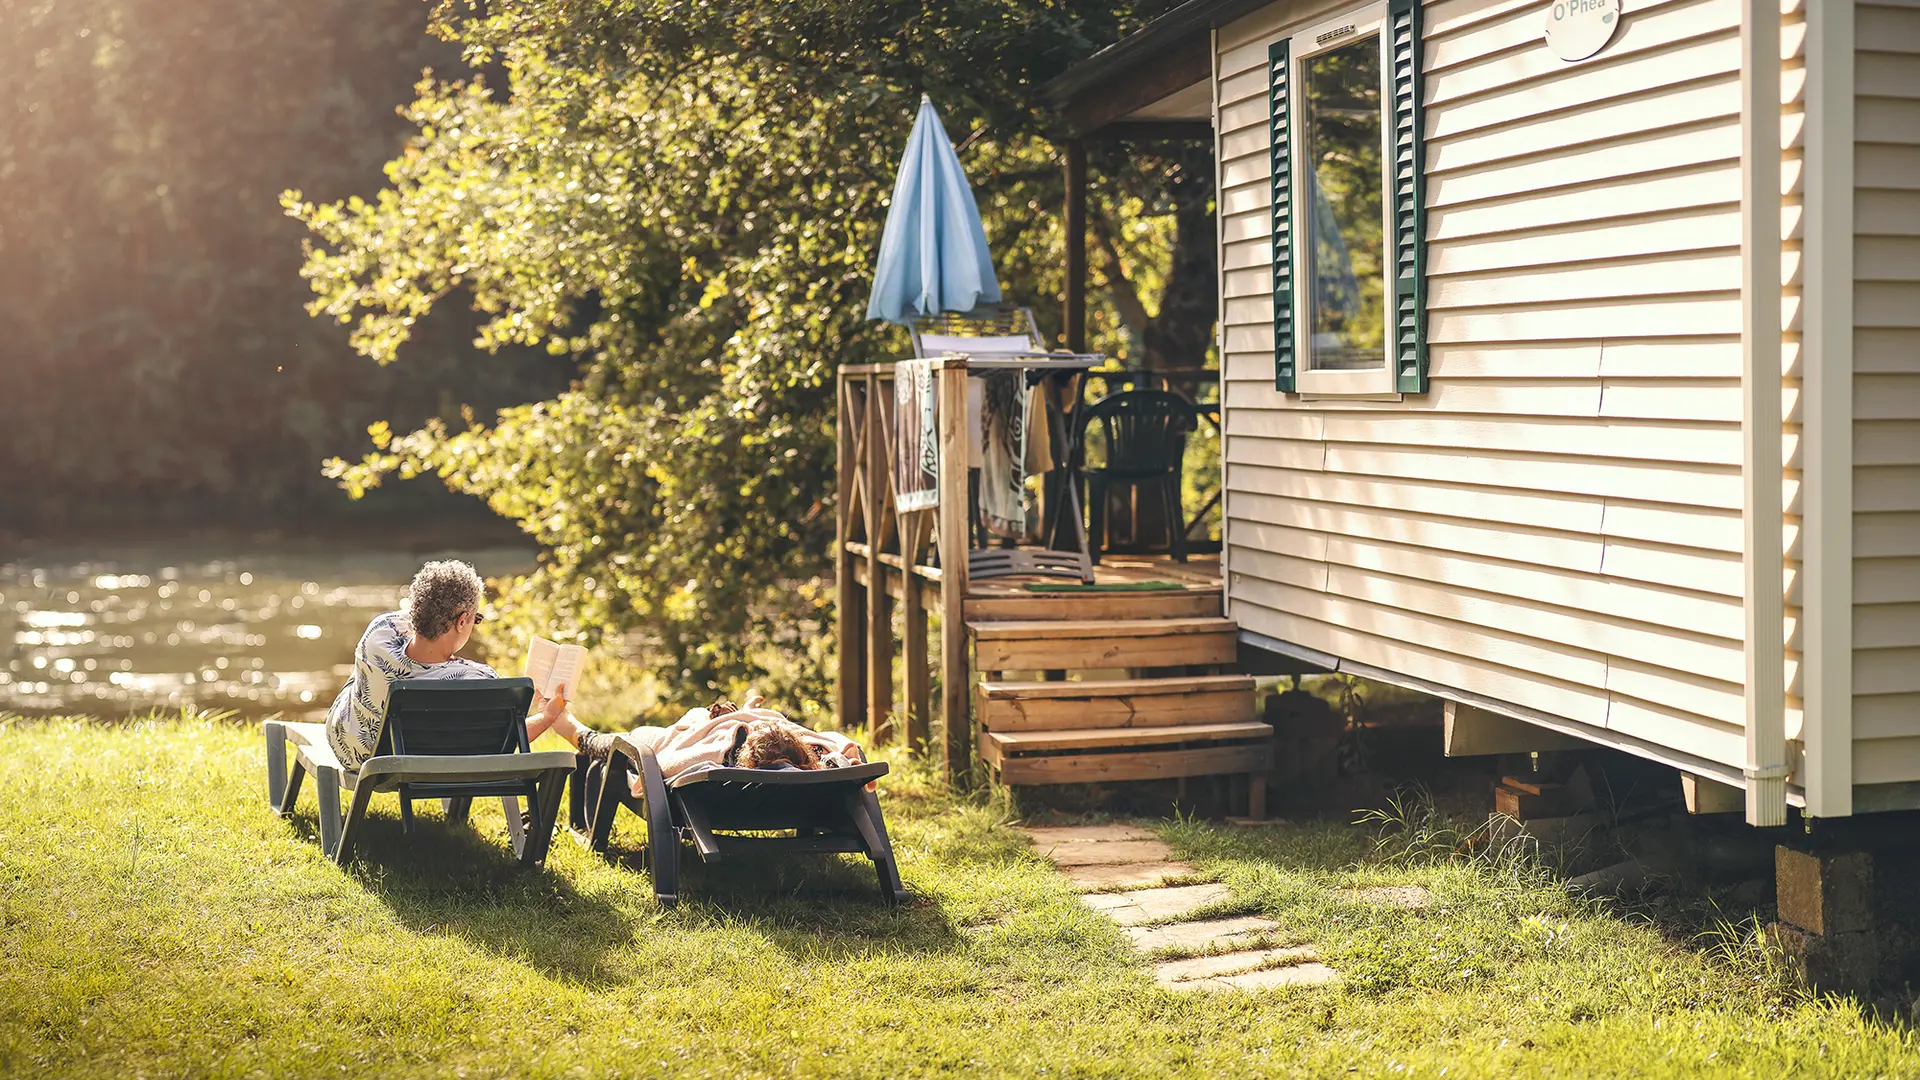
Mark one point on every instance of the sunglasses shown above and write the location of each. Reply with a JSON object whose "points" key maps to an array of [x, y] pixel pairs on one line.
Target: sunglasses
{"points": [[477, 617]]}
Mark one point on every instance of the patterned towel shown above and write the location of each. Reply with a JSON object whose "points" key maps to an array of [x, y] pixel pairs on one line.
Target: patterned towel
{"points": [[1003, 452]]}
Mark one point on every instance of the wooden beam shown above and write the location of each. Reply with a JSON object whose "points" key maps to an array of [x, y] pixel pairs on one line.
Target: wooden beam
{"points": [[913, 645], [1075, 223], [850, 611], [1469, 732], [954, 530], [879, 603]]}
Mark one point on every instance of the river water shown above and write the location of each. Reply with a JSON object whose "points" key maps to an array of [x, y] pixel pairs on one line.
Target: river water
{"points": [[117, 630]]}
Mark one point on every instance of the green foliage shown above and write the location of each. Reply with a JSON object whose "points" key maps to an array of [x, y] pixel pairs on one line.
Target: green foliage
{"points": [[157, 363], [689, 201]]}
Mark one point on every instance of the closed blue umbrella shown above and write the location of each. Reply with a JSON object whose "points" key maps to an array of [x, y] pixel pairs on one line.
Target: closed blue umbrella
{"points": [[933, 254]]}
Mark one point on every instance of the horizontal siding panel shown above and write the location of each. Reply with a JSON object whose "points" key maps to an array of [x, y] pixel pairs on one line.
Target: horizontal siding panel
{"points": [[1247, 253], [1888, 397], [1886, 671], [1641, 31], [1886, 350], [1686, 568], [1672, 399], [1669, 275], [1716, 314], [1245, 169], [1538, 546], [1686, 444], [1235, 228], [1687, 358], [1892, 580], [1248, 311], [1591, 89], [1247, 198], [1686, 733], [1252, 281], [1483, 644], [1685, 610], [1544, 360], [1885, 120], [1447, 17], [1691, 527], [1885, 74], [1656, 647], [1542, 510], [1298, 454], [1668, 193], [1636, 155], [1299, 543], [1880, 536], [1894, 488], [1240, 115], [1886, 761], [1888, 626], [1885, 442], [1886, 716], [1450, 669], [1887, 258], [1690, 228], [1266, 564], [1885, 165], [1247, 84], [1685, 486], [1712, 698], [1667, 108], [1243, 42], [1894, 305]]}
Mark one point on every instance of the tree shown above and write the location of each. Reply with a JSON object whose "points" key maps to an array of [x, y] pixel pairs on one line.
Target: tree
{"points": [[688, 199]]}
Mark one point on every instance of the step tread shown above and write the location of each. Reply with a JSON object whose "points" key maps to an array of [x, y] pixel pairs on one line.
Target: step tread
{"points": [[1003, 690], [1076, 628], [1086, 738]]}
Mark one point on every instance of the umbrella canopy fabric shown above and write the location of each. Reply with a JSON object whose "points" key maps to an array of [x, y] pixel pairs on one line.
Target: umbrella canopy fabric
{"points": [[933, 254]]}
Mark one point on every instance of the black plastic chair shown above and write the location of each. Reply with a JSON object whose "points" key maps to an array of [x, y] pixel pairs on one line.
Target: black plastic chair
{"points": [[1146, 447], [448, 739], [828, 810]]}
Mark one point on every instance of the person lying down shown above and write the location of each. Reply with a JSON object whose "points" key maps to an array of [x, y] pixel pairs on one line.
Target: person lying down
{"points": [[749, 736]]}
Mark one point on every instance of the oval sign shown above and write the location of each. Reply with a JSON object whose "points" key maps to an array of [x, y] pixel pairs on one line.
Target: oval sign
{"points": [[1576, 29]]}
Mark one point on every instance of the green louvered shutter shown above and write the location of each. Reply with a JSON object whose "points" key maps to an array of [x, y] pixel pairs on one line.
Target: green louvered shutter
{"points": [[1279, 90], [1409, 198]]}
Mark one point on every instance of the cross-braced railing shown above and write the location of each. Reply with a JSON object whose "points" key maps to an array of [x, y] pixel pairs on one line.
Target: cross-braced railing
{"points": [[882, 555]]}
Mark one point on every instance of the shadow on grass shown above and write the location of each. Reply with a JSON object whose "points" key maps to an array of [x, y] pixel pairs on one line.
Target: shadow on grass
{"points": [[458, 881]]}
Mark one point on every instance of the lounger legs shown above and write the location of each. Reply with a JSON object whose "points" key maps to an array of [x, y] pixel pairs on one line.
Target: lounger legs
{"points": [[546, 816], [457, 809], [276, 736], [516, 832], [333, 835], [864, 810]]}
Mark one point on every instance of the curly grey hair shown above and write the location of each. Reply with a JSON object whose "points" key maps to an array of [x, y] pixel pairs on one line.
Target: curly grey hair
{"points": [[442, 592]]}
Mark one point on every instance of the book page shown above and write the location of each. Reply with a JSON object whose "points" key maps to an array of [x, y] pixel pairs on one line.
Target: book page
{"points": [[566, 670], [541, 656]]}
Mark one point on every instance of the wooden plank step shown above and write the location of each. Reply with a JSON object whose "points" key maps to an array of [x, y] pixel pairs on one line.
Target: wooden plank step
{"points": [[1175, 604], [1039, 645], [1016, 743], [1114, 703], [1140, 765]]}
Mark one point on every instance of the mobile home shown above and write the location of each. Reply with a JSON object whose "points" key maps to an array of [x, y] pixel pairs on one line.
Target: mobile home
{"points": [[1570, 360]]}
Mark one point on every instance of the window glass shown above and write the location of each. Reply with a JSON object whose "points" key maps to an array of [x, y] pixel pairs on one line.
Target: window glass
{"points": [[1345, 237]]}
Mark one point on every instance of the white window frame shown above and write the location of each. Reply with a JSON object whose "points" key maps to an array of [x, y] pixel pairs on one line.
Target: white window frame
{"points": [[1305, 45]]}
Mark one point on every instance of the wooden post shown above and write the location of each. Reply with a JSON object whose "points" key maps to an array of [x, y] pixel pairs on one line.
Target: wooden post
{"points": [[879, 603], [955, 531], [850, 612], [913, 644], [1075, 223]]}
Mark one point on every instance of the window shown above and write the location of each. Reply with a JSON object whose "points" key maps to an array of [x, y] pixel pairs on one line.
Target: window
{"points": [[1346, 215]]}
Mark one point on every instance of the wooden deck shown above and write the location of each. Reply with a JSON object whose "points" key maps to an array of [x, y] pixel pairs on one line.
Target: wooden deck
{"points": [[1197, 573]]}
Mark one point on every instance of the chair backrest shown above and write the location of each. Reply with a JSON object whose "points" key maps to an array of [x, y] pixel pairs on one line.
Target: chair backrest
{"points": [[1146, 431], [985, 331], [457, 716]]}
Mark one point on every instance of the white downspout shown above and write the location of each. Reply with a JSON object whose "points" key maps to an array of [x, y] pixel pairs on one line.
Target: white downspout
{"points": [[1220, 319], [1760, 384]]}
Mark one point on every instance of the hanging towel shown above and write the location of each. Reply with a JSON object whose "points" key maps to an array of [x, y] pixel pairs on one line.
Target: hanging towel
{"points": [[1003, 451], [916, 437]]}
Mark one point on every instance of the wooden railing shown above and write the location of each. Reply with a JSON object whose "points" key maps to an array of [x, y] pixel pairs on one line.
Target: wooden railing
{"points": [[882, 555]]}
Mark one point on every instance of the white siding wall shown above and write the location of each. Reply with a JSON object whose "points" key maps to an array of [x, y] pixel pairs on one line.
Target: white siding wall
{"points": [[1886, 615], [1557, 523]]}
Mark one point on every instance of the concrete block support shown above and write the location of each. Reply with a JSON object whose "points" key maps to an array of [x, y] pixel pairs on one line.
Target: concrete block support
{"points": [[1827, 918]]}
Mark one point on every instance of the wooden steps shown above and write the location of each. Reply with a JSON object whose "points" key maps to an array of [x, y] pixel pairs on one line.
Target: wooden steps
{"points": [[1077, 644], [1114, 729], [1114, 703]]}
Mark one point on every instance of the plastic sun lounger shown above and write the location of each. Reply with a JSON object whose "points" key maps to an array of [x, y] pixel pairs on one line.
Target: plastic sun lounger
{"points": [[828, 810], [452, 740]]}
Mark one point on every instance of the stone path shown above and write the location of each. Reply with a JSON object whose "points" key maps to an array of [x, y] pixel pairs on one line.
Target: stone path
{"points": [[1198, 953]]}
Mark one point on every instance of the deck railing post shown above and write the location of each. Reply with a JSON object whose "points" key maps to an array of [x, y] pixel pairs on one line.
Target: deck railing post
{"points": [[913, 635], [954, 532], [879, 503], [850, 612]]}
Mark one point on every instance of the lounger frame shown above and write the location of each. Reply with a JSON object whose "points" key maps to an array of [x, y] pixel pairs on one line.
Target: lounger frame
{"points": [[827, 810], [452, 740]]}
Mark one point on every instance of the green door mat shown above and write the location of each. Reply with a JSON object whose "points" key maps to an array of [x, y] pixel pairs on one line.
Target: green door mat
{"points": [[1115, 586]]}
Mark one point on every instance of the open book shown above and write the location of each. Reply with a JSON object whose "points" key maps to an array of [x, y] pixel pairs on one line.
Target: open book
{"points": [[554, 668]]}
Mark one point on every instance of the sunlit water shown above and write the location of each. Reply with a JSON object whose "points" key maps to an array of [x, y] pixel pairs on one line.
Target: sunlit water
{"points": [[110, 632]]}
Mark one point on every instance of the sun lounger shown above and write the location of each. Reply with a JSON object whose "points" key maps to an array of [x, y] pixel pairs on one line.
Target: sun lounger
{"points": [[828, 810], [453, 740]]}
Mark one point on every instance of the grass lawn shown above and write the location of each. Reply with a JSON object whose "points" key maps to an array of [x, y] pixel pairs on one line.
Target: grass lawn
{"points": [[156, 920]]}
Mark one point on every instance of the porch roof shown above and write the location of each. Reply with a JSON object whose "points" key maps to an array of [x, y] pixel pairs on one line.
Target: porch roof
{"points": [[1152, 83]]}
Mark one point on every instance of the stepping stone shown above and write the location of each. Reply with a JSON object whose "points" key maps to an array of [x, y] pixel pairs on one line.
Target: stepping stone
{"points": [[1309, 974], [1151, 905], [1409, 897], [1172, 972], [1202, 935], [1108, 853], [1097, 878], [1046, 835]]}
